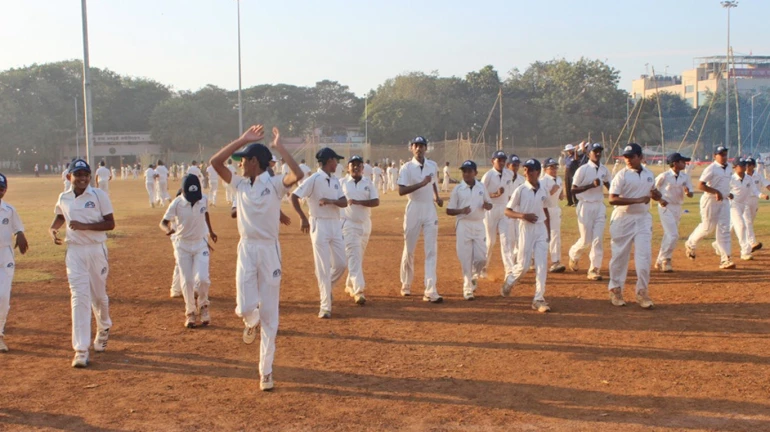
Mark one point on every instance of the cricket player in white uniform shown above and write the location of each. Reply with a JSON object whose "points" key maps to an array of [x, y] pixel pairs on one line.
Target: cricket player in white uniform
{"points": [[103, 177], [324, 197], [591, 211], [161, 186], [631, 226], [357, 225], [528, 203], [498, 182], [714, 208], [10, 226], [87, 212], [512, 165], [417, 179], [306, 171], [393, 176], [65, 177], [377, 178], [469, 202], [194, 169], [553, 185], [149, 184], [213, 185], [674, 184], [446, 179], [369, 171], [228, 191], [761, 184], [742, 191], [257, 195], [192, 227]]}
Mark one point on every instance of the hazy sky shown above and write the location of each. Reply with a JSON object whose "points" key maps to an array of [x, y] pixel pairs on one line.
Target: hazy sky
{"points": [[191, 43]]}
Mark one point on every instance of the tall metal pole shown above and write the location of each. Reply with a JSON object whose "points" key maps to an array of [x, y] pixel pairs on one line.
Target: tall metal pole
{"points": [[240, 100], [500, 143], [89, 126], [728, 4], [77, 132], [366, 119], [751, 129]]}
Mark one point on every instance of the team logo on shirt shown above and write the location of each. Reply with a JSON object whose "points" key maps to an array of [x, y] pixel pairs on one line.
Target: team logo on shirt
{"points": [[336, 186], [6, 221], [205, 253], [277, 273], [649, 179], [481, 192], [203, 210], [366, 188], [265, 192], [542, 198], [10, 265], [104, 270], [90, 204]]}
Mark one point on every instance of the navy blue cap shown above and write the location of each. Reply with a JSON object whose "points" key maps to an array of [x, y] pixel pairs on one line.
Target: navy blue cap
{"points": [[356, 158], [532, 164], [751, 161], [499, 155], [739, 161], [79, 165], [721, 149], [596, 146], [469, 164], [632, 149], [254, 150], [419, 140], [3, 181], [550, 162], [676, 157], [327, 153], [513, 159]]}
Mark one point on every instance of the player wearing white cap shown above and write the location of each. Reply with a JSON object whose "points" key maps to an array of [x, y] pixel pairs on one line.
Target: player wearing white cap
{"points": [[631, 226], [470, 201], [498, 182], [528, 204], [742, 191], [714, 209], [417, 179], [258, 271], [761, 185], [161, 186], [446, 179], [10, 226], [103, 177], [357, 224], [87, 213], [192, 228], [325, 198], [552, 184], [213, 184], [149, 183], [674, 184], [591, 211]]}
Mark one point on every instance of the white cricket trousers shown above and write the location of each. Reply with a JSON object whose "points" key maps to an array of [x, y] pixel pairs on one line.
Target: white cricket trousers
{"points": [[87, 270], [533, 244], [214, 184], [627, 231], [258, 286], [471, 250], [150, 192], [554, 246], [393, 182], [591, 218], [356, 237], [670, 216], [228, 194], [7, 266], [162, 194], [378, 185], [105, 187], [328, 255], [740, 217], [496, 223], [713, 215], [753, 205], [192, 258], [420, 217], [445, 184]]}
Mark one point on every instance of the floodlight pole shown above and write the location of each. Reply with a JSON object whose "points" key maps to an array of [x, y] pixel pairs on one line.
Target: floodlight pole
{"points": [[728, 4], [240, 101], [89, 126]]}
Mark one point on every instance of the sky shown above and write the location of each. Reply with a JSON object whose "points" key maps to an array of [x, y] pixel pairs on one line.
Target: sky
{"points": [[191, 43]]}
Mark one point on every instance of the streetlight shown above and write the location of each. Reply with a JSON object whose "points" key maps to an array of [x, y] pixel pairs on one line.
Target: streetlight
{"points": [[751, 130], [728, 4], [240, 103]]}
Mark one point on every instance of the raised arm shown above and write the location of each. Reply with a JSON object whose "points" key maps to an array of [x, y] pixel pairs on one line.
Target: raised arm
{"points": [[252, 134], [295, 173]]}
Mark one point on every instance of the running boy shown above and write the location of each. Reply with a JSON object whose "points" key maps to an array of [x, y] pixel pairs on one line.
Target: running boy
{"points": [[11, 226]]}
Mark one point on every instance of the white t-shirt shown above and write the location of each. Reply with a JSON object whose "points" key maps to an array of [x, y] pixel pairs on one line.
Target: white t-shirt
{"points": [[368, 170], [743, 189], [258, 205], [759, 183], [412, 173], [102, 175], [716, 176], [196, 171], [213, 176], [547, 183], [671, 186], [362, 191], [10, 224], [162, 173], [585, 175], [446, 174], [493, 180], [318, 186], [631, 184], [190, 220], [464, 195], [149, 176], [90, 207], [376, 174], [525, 199]]}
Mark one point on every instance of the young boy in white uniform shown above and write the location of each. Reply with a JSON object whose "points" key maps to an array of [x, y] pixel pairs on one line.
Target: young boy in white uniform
{"points": [[192, 228], [761, 184], [512, 165], [499, 184], [149, 183], [591, 211], [88, 214], [674, 184], [552, 184], [103, 177], [714, 208], [470, 201], [377, 177], [213, 184], [161, 193], [393, 182], [417, 179], [528, 204], [631, 225], [10, 226], [742, 191], [445, 181], [195, 170], [362, 195], [65, 177], [325, 198], [228, 191], [258, 272]]}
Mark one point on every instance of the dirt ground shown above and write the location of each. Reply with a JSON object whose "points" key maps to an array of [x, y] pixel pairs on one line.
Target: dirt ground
{"points": [[698, 361]]}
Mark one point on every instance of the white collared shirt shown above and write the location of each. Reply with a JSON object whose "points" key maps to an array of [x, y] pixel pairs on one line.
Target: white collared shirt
{"points": [[464, 195], [149, 175], [193, 169], [102, 174], [162, 173], [717, 176], [547, 183], [90, 207], [10, 224], [412, 173], [318, 186], [631, 184], [743, 189], [376, 174], [493, 180], [671, 186], [367, 170], [258, 205], [517, 181], [585, 175], [526, 199], [760, 183], [362, 191], [190, 220]]}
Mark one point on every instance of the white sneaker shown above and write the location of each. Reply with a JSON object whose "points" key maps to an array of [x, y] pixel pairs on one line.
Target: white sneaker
{"points": [[205, 316], [406, 291], [505, 291], [437, 299], [483, 274], [175, 294], [80, 360], [616, 297], [666, 267], [189, 320], [557, 268], [573, 265], [594, 274], [100, 343], [726, 265], [3, 346], [360, 299], [266, 382], [643, 299], [748, 257], [468, 296], [324, 314], [541, 306], [349, 291], [250, 334], [689, 252]]}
